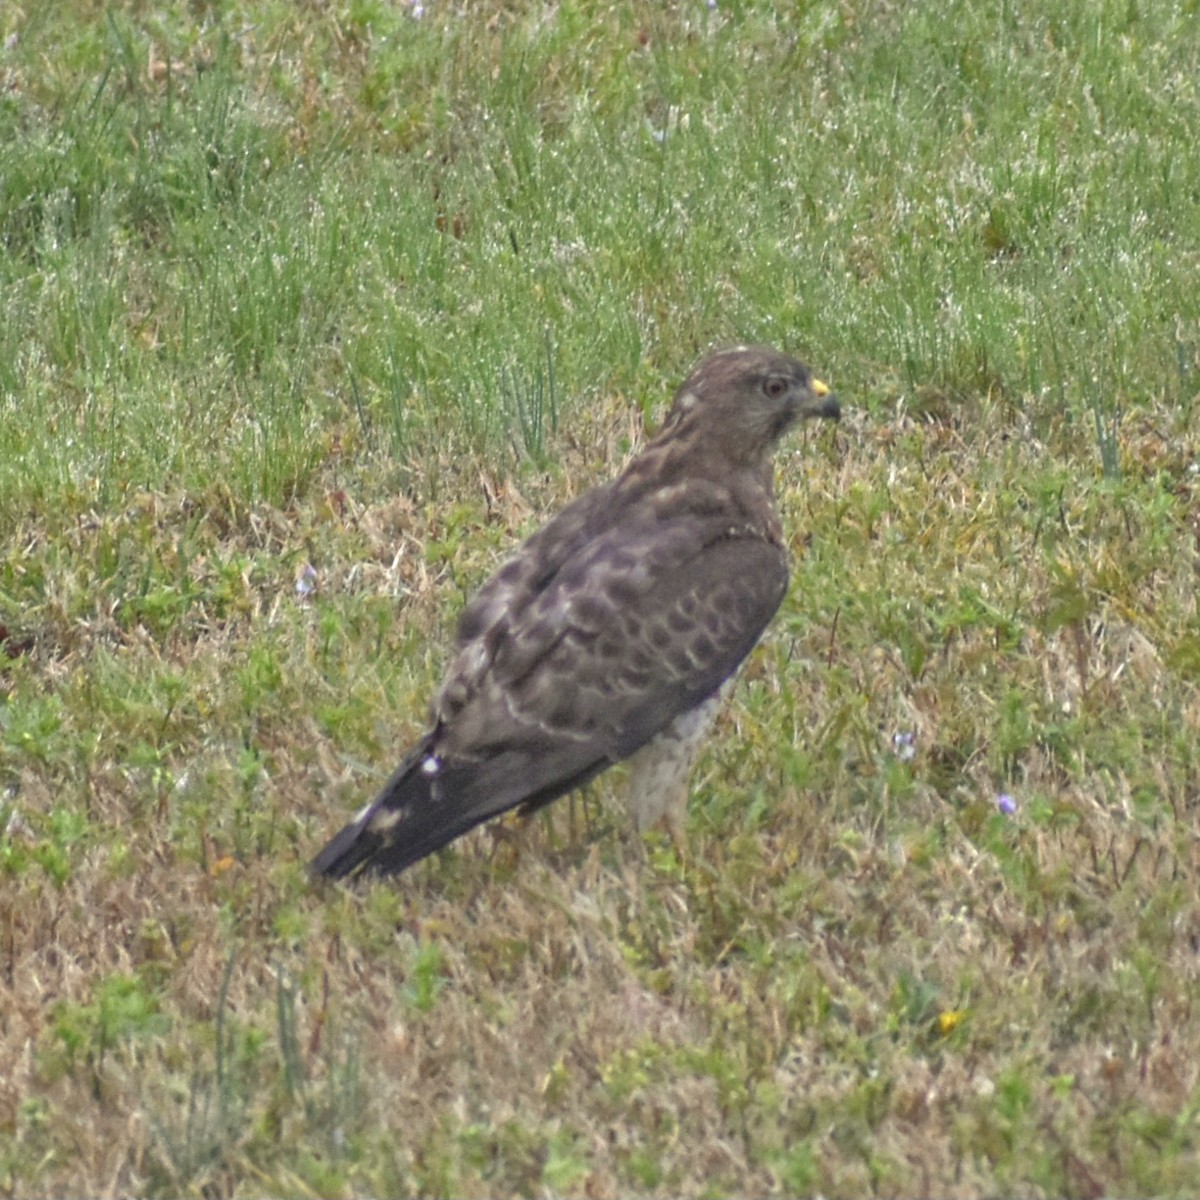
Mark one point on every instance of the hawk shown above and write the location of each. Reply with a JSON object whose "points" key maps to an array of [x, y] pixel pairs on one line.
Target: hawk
{"points": [[610, 633]]}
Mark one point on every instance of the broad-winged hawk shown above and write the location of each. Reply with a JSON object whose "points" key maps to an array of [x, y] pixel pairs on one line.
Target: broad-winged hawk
{"points": [[612, 629]]}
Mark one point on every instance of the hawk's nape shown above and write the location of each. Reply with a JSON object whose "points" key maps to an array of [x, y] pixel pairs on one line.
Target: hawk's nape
{"points": [[625, 612]]}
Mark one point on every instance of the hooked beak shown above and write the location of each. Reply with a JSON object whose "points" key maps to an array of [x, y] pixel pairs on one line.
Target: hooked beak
{"points": [[824, 403]]}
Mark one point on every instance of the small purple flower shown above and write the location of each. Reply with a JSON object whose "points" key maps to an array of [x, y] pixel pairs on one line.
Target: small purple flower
{"points": [[905, 745], [306, 581], [1006, 804]]}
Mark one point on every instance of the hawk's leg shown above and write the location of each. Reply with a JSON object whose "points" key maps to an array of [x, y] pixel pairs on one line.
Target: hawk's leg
{"points": [[519, 833], [659, 771]]}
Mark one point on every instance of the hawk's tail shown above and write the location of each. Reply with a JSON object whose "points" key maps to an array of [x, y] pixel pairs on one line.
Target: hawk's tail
{"points": [[402, 825], [428, 803]]}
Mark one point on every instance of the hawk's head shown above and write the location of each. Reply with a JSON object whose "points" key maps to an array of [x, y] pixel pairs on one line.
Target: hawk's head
{"points": [[753, 393]]}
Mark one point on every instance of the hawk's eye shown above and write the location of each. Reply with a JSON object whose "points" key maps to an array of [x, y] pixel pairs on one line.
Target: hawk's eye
{"points": [[775, 386]]}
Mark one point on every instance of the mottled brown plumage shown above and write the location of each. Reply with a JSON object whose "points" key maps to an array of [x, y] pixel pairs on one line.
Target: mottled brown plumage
{"points": [[611, 630]]}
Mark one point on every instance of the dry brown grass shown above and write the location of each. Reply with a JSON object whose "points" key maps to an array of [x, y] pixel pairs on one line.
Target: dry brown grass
{"points": [[861, 978]]}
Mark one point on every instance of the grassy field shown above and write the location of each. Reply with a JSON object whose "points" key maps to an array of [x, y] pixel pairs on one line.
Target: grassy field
{"points": [[309, 311]]}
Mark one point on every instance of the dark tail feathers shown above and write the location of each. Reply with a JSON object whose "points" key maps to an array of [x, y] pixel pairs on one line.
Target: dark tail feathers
{"points": [[402, 825], [418, 812]]}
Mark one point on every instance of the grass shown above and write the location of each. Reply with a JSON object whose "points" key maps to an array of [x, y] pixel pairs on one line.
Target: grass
{"points": [[311, 311]]}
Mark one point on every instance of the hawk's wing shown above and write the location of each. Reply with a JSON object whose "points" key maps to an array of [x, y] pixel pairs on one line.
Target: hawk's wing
{"points": [[634, 627], [630, 633]]}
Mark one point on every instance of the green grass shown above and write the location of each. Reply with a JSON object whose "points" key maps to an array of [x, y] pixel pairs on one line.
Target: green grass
{"points": [[343, 296]]}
